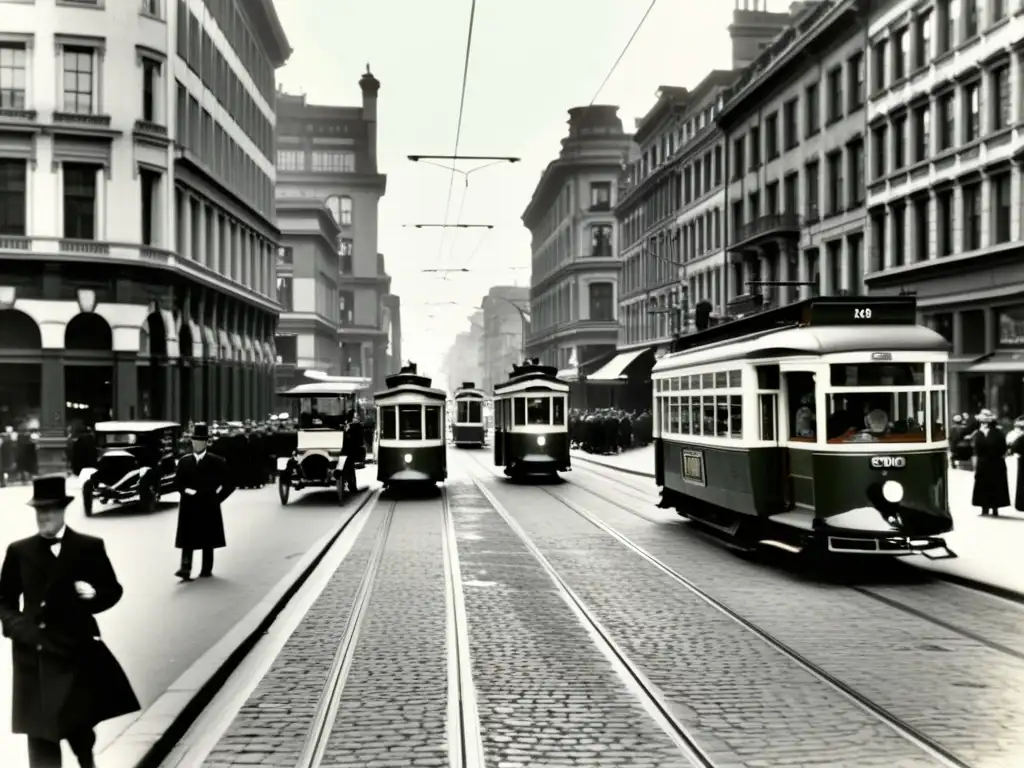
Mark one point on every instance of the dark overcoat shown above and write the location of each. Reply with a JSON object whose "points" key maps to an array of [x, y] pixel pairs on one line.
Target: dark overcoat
{"points": [[991, 487], [65, 678], [354, 444], [200, 522]]}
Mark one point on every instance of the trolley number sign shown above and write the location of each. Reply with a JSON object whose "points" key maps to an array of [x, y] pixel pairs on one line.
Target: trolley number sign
{"points": [[880, 313], [693, 467]]}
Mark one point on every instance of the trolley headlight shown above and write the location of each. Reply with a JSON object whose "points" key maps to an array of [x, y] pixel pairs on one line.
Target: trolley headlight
{"points": [[892, 491], [541, 439], [408, 458]]}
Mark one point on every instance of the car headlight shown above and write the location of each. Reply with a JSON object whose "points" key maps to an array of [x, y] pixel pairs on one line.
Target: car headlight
{"points": [[892, 491], [408, 458], [541, 440]]}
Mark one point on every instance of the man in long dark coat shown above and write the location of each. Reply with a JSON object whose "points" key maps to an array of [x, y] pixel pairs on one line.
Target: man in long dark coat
{"points": [[353, 448], [65, 679], [205, 483]]}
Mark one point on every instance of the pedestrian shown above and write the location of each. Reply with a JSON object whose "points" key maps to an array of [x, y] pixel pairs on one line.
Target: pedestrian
{"points": [[204, 481], [65, 678], [991, 487], [353, 448]]}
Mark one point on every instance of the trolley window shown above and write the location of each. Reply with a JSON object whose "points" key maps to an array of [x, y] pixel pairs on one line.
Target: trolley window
{"points": [[939, 374], [388, 424], [939, 415], [878, 375], [432, 422], [409, 422], [876, 417], [462, 411], [767, 403], [518, 411], [538, 410], [558, 411], [475, 411]]}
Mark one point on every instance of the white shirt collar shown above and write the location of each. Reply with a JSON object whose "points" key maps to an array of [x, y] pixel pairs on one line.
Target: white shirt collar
{"points": [[198, 455], [60, 535]]}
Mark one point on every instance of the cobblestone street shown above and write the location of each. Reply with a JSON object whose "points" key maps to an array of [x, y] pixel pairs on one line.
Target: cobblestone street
{"points": [[629, 667]]}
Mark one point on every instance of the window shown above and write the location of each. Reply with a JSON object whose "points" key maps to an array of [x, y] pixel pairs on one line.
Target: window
{"points": [[285, 254], [835, 94], [602, 306], [12, 76], [921, 229], [79, 201], [771, 136], [518, 411], [432, 422], [557, 410], [899, 142], [879, 139], [813, 108], [341, 209], [347, 308], [388, 422], [12, 197], [972, 216], [922, 39], [1001, 212], [791, 192], [148, 181], [790, 135], [856, 70], [287, 349], [881, 416], [947, 121], [998, 9], [284, 293], [151, 8], [856, 171], [291, 160], [345, 252], [346, 211], [922, 133], [944, 224], [970, 18], [755, 147], [150, 76], [739, 166], [900, 54], [835, 183], [812, 182], [601, 240], [410, 422], [601, 196], [972, 112], [78, 80], [767, 408], [333, 162], [538, 410], [948, 12], [1001, 104], [899, 231], [878, 55]]}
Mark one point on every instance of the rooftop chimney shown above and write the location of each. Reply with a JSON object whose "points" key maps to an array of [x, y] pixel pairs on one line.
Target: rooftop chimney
{"points": [[370, 85]]}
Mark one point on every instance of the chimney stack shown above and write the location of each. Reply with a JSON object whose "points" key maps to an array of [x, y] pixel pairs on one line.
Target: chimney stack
{"points": [[370, 85]]}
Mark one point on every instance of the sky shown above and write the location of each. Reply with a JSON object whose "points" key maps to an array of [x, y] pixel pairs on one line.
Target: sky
{"points": [[530, 62]]}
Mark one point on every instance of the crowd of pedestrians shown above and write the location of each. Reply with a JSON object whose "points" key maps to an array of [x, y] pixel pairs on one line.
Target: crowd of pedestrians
{"points": [[984, 441], [609, 430]]}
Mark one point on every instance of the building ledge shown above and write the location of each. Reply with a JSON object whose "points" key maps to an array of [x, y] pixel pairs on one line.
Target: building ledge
{"points": [[765, 228]]}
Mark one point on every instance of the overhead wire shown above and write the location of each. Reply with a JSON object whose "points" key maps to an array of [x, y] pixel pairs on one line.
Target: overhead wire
{"points": [[458, 124], [624, 50]]}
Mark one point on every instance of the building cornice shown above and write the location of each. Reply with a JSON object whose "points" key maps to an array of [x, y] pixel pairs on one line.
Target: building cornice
{"points": [[268, 27]]}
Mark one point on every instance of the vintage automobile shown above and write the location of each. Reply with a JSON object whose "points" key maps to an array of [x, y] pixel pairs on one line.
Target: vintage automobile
{"points": [[137, 461], [316, 461]]}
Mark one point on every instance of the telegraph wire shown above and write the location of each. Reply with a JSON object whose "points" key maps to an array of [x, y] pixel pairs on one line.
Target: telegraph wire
{"points": [[458, 124], [624, 50]]}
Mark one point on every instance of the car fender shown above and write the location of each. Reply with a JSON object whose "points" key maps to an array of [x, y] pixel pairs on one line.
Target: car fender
{"points": [[86, 474]]}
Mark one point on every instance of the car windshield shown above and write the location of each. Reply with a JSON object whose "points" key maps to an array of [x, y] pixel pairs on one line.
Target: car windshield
{"points": [[117, 439], [323, 412]]}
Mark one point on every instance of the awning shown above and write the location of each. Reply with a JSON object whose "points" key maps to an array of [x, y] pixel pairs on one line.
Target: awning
{"points": [[250, 351], [1000, 362], [211, 341], [615, 369]]}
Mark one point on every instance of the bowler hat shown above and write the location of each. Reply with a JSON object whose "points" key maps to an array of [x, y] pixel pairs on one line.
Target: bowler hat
{"points": [[201, 431], [985, 416], [49, 492]]}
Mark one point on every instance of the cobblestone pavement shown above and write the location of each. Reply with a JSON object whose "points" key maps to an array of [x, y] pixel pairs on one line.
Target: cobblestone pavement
{"points": [[393, 705], [546, 695], [272, 726], [960, 693], [745, 703]]}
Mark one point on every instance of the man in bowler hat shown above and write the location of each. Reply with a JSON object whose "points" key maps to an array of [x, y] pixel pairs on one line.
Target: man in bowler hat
{"points": [[65, 678], [204, 481]]}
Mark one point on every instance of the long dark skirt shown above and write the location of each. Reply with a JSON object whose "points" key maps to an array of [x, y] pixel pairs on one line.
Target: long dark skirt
{"points": [[991, 487]]}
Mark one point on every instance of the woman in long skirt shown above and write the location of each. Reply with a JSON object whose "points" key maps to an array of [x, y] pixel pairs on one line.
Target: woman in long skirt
{"points": [[991, 488]]}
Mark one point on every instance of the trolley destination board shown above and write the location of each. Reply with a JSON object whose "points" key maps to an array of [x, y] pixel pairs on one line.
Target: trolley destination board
{"points": [[865, 311]]}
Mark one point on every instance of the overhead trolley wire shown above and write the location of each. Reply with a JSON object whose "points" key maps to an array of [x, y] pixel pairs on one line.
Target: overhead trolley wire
{"points": [[624, 50], [458, 124]]}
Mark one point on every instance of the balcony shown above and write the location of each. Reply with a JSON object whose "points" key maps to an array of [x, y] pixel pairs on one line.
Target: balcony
{"points": [[16, 117], [74, 118], [147, 129], [765, 228]]}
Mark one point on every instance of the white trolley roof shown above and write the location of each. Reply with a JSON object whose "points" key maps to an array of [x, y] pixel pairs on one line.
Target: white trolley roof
{"points": [[134, 426], [328, 388], [470, 394]]}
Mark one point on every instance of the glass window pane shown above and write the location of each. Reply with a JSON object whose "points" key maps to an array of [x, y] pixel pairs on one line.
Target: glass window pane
{"points": [[722, 415], [736, 379], [432, 423], [673, 414], [736, 416], [388, 430], [558, 410], [706, 381], [538, 410], [409, 422], [475, 411], [721, 380], [939, 374], [519, 411], [709, 415], [938, 405]]}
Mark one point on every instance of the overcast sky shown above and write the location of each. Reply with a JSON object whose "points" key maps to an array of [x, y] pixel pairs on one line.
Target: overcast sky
{"points": [[531, 61]]}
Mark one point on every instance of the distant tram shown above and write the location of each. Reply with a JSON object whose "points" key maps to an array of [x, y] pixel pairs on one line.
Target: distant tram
{"points": [[531, 428], [820, 426], [468, 427], [410, 430]]}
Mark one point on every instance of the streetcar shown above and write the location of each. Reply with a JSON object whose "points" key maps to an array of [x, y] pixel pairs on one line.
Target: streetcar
{"points": [[817, 427], [531, 428], [410, 430], [317, 461], [468, 426]]}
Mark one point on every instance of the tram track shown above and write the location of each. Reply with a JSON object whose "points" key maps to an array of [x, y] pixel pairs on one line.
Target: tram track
{"points": [[895, 603], [938, 753]]}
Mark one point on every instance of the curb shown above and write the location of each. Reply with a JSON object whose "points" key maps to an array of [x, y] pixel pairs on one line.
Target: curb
{"points": [[963, 581], [608, 465], [147, 741]]}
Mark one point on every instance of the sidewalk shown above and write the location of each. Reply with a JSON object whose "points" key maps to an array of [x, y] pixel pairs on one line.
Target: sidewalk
{"points": [[989, 549]]}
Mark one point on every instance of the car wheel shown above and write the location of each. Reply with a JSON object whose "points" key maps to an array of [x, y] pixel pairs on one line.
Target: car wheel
{"points": [[284, 488], [87, 498]]}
